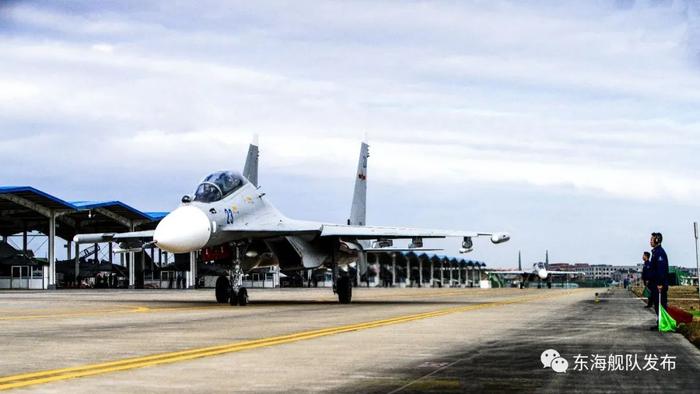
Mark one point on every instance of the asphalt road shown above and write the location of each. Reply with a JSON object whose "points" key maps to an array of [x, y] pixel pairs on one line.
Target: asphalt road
{"points": [[301, 340]]}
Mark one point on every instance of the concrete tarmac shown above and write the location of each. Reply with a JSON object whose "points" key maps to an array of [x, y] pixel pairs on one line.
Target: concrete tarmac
{"points": [[301, 340]]}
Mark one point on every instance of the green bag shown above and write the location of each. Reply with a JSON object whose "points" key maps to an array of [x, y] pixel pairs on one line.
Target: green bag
{"points": [[646, 293]]}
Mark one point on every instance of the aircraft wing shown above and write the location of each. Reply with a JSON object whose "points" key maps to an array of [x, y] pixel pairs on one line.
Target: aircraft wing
{"points": [[374, 232], [294, 227], [564, 273]]}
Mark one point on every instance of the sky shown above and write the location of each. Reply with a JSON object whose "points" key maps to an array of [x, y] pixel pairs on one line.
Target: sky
{"points": [[572, 125]]}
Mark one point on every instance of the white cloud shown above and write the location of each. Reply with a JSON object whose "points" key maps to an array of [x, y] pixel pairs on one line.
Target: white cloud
{"points": [[583, 96], [104, 48], [12, 90]]}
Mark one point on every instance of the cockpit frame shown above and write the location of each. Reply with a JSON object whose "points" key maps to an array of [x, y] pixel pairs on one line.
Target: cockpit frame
{"points": [[218, 185]]}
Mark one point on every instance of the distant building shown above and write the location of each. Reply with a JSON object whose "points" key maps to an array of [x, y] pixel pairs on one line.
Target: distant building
{"points": [[599, 271], [619, 273]]}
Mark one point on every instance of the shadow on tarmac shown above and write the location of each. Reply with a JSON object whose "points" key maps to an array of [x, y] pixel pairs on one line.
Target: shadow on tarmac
{"points": [[513, 363]]}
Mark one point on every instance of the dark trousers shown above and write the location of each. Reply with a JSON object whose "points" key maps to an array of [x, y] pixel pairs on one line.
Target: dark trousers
{"points": [[650, 299], [655, 296]]}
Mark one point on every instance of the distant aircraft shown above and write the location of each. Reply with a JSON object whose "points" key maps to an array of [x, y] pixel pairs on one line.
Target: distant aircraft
{"points": [[539, 272], [230, 219]]}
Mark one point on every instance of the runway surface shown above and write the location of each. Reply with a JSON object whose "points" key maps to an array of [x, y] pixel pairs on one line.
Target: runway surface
{"points": [[301, 340]]}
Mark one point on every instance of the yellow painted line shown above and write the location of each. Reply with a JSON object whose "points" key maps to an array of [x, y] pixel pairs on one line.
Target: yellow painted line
{"points": [[40, 377], [135, 309]]}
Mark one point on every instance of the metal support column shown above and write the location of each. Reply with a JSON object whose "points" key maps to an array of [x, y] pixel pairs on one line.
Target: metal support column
{"points": [[130, 262], [393, 269], [442, 273], [193, 271], [459, 276], [142, 272], [420, 273], [52, 250], [408, 272], [432, 268], [24, 239], [153, 262], [77, 264], [450, 265], [110, 253]]}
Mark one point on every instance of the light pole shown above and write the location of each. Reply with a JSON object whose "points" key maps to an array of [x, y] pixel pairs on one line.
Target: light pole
{"points": [[697, 260]]}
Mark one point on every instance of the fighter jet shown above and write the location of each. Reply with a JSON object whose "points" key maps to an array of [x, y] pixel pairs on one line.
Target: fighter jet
{"points": [[539, 272], [229, 218]]}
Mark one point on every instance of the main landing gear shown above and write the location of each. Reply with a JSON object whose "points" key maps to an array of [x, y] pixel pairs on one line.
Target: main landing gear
{"points": [[342, 284], [229, 289], [343, 287]]}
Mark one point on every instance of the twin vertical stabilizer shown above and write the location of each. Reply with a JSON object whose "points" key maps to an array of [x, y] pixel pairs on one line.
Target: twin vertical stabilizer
{"points": [[250, 170], [520, 263], [358, 211]]}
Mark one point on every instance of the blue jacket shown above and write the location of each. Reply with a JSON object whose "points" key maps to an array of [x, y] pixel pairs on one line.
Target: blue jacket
{"points": [[645, 270], [659, 267]]}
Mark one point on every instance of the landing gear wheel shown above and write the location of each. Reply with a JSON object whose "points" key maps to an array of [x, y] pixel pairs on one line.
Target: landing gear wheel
{"points": [[233, 301], [242, 296], [549, 285], [344, 289], [222, 289]]}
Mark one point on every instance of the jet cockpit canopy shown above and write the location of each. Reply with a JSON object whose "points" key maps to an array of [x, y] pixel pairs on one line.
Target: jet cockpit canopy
{"points": [[218, 185]]}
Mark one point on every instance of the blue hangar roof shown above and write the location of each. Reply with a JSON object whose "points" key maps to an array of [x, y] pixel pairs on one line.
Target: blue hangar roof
{"points": [[25, 207]]}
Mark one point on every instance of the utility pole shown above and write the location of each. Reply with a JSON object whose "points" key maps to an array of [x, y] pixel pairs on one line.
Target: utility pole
{"points": [[697, 260]]}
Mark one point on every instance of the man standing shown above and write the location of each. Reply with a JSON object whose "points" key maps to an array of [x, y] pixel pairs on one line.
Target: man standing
{"points": [[658, 281], [645, 277]]}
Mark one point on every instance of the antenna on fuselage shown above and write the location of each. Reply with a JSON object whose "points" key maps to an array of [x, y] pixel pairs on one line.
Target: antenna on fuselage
{"points": [[250, 169]]}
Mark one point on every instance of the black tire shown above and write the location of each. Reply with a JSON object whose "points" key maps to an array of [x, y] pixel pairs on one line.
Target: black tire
{"points": [[242, 296], [233, 301], [344, 288], [222, 289]]}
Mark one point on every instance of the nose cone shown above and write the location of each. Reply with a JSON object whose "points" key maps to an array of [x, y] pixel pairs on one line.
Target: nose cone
{"points": [[183, 230], [542, 273]]}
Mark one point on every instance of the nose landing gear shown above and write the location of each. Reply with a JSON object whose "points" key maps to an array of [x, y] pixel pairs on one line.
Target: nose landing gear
{"points": [[223, 289]]}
